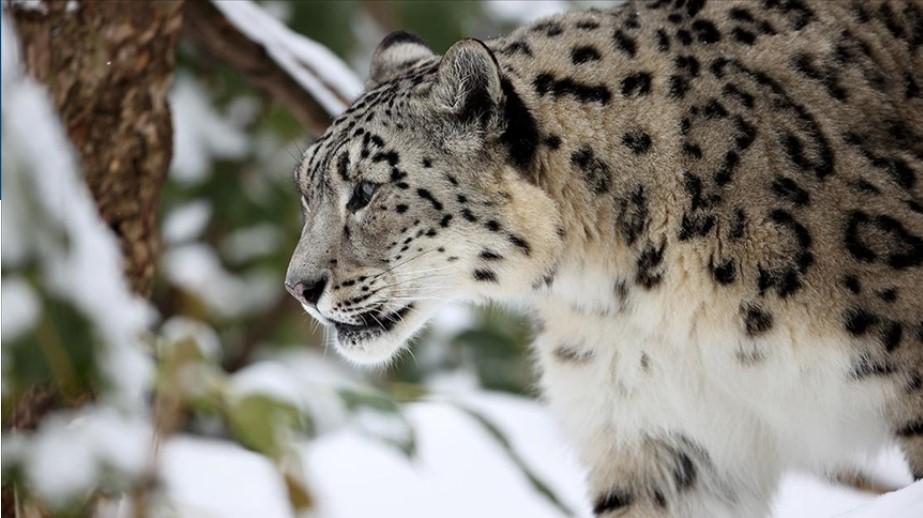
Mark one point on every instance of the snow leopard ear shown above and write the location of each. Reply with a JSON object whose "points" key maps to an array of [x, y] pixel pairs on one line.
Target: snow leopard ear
{"points": [[469, 84], [397, 52]]}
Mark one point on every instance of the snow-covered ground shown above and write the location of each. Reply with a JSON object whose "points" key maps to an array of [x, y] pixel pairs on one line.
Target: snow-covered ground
{"points": [[459, 471]]}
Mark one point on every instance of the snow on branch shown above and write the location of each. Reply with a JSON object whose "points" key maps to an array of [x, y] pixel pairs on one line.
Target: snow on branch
{"points": [[302, 74]]}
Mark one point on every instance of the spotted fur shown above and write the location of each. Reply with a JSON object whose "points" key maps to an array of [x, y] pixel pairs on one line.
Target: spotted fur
{"points": [[715, 207]]}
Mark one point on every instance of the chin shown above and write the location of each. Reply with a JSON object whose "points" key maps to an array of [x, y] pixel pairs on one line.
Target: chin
{"points": [[379, 340]]}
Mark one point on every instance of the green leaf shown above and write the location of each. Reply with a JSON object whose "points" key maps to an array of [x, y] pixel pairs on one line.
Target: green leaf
{"points": [[260, 422]]}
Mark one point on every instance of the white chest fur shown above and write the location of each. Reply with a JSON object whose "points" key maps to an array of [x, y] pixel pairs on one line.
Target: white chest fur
{"points": [[620, 365]]}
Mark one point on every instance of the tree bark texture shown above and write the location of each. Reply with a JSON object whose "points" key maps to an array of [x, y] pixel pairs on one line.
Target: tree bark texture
{"points": [[108, 66]]}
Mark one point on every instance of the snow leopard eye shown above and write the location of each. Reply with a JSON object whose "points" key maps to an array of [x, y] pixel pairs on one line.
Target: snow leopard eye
{"points": [[362, 195]]}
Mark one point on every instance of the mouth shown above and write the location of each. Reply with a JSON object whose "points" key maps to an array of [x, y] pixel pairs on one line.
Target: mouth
{"points": [[371, 325]]}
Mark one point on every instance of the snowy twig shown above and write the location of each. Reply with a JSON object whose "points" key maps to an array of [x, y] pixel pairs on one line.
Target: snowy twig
{"points": [[301, 74]]}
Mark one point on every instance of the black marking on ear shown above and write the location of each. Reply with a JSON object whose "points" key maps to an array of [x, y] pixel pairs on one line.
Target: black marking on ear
{"points": [[546, 83], [616, 499], [756, 320], [399, 37], [521, 133], [625, 43], [484, 275], [584, 54], [521, 244], [637, 141]]}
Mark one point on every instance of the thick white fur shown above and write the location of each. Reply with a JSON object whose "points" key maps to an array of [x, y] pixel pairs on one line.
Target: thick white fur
{"points": [[794, 409]]}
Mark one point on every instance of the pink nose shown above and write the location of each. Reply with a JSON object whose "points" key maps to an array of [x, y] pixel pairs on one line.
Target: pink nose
{"points": [[308, 292]]}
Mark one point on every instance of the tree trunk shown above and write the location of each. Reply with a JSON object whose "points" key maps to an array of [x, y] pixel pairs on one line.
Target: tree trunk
{"points": [[108, 66]]}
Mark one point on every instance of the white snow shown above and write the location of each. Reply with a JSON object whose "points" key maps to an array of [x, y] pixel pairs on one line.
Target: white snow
{"points": [[217, 479], [21, 308], [196, 268], [71, 450], [186, 222], [318, 70], [269, 379], [30, 5], [457, 462], [200, 133], [178, 328], [906, 503], [523, 11]]}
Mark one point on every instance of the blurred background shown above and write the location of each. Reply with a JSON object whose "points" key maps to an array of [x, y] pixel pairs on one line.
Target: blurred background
{"points": [[153, 363]]}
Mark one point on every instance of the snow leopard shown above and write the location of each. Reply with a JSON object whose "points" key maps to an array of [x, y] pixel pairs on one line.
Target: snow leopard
{"points": [[712, 209]]}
